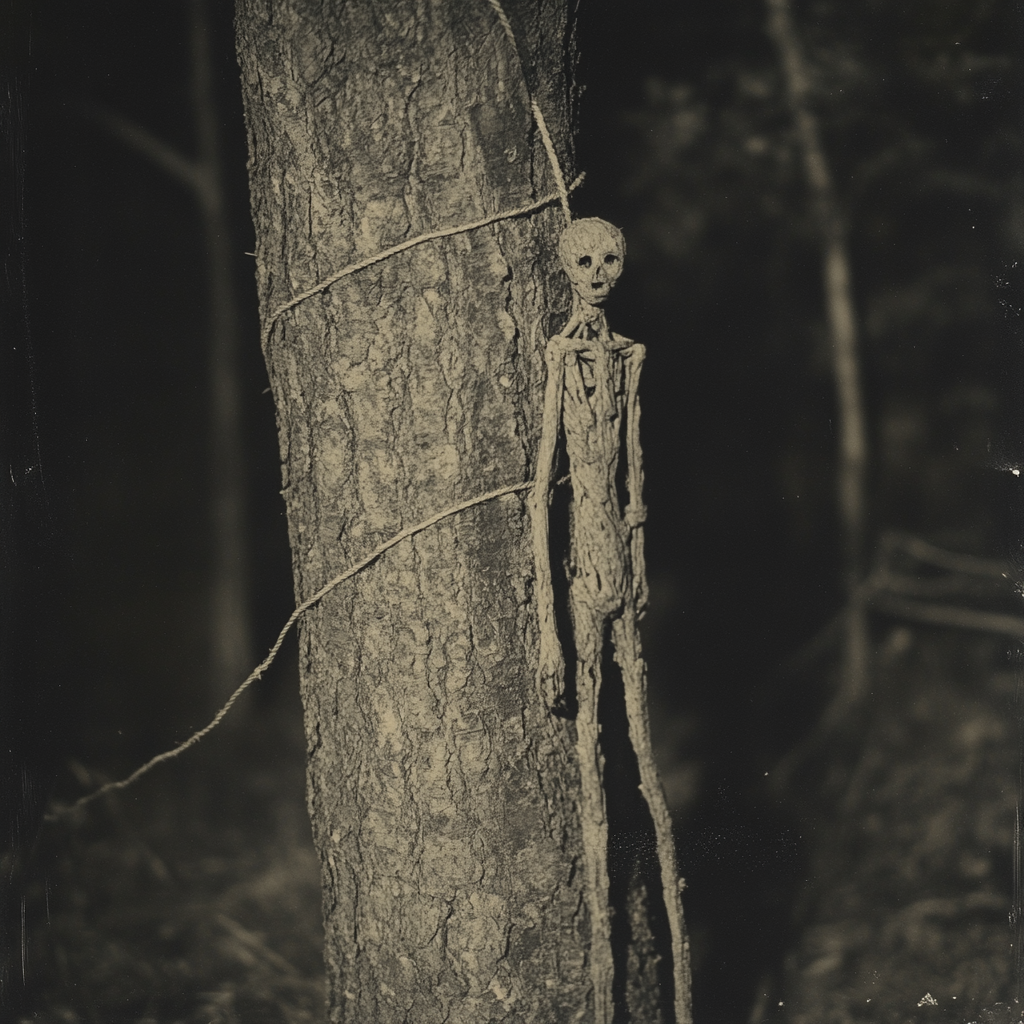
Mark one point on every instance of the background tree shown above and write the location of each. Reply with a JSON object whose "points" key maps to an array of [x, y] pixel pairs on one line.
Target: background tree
{"points": [[843, 329], [230, 620]]}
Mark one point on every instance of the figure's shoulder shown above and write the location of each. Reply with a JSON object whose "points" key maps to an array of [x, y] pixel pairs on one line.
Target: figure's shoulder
{"points": [[628, 347]]}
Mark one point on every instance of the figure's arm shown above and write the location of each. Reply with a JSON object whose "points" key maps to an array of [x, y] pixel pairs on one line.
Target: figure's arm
{"points": [[636, 511], [552, 666]]}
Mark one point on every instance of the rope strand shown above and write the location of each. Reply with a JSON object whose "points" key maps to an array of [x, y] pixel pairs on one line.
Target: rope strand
{"points": [[563, 192], [379, 257], [262, 667]]}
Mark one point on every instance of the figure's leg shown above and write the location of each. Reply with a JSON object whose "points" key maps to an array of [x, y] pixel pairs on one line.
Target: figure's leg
{"points": [[588, 628], [626, 640]]}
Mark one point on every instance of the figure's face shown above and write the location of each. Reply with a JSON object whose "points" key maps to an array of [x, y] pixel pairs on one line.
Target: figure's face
{"points": [[592, 251]]}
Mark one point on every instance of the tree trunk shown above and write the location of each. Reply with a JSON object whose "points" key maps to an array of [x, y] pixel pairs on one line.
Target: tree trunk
{"points": [[444, 795]]}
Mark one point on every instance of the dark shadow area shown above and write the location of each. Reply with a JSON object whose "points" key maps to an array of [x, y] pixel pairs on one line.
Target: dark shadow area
{"points": [[744, 860]]}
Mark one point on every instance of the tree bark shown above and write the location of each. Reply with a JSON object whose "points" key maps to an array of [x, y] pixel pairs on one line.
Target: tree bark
{"points": [[444, 795]]}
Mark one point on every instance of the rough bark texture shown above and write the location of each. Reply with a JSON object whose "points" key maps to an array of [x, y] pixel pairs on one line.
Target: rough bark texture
{"points": [[443, 794]]}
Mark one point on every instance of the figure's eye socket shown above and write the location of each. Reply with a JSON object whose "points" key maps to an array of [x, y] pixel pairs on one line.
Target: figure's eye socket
{"points": [[584, 261], [611, 259]]}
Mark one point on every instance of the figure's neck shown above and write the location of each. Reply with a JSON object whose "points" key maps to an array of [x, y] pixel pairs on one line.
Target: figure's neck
{"points": [[587, 322]]}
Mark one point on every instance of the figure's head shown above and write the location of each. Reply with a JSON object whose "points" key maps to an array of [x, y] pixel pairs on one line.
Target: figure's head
{"points": [[592, 251]]}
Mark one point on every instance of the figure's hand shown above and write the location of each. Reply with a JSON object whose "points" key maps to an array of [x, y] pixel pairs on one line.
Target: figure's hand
{"points": [[641, 596], [635, 515]]}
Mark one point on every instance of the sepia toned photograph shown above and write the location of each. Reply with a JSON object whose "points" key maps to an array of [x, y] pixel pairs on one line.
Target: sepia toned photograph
{"points": [[511, 512]]}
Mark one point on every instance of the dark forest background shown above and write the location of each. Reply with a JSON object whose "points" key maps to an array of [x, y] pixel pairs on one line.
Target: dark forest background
{"points": [[194, 896]]}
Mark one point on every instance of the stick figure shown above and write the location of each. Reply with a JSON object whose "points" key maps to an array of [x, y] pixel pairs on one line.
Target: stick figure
{"points": [[591, 400]]}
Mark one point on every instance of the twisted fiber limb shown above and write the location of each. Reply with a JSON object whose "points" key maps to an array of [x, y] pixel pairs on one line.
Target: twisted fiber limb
{"points": [[589, 630], [626, 642], [636, 511], [551, 667]]}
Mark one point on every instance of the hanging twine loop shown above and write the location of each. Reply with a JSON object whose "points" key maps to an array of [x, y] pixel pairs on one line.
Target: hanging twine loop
{"points": [[538, 116], [411, 243]]}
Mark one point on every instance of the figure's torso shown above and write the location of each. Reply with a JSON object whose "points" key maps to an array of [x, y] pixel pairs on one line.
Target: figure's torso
{"points": [[593, 417]]}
